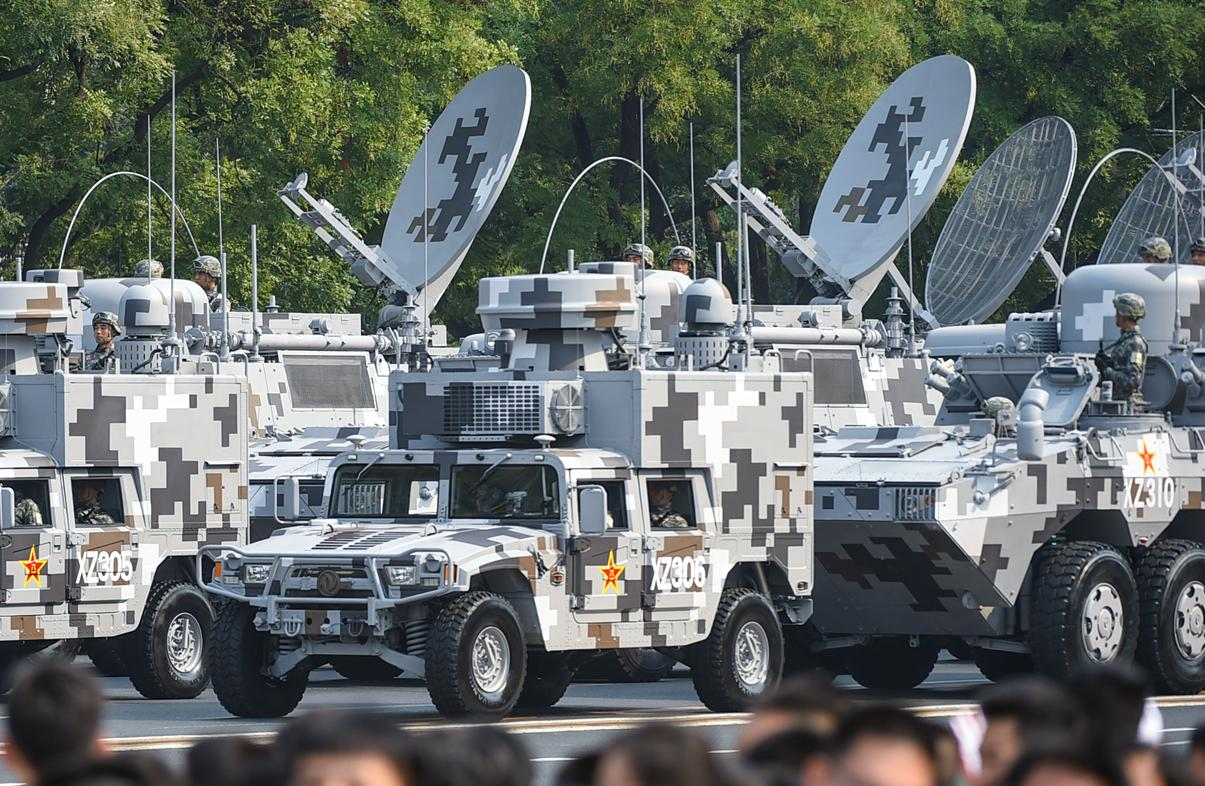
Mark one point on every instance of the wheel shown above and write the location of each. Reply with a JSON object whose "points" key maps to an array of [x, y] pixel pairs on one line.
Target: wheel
{"points": [[997, 665], [641, 665], [741, 659], [238, 655], [1085, 608], [891, 663], [1171, 623], [108, 655], [166, 652], [548, 677], [476, 659], [364, 669]]}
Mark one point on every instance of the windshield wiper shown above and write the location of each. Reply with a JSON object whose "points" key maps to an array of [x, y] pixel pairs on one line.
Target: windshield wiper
{"points": [[374, 460], [488, 471]]}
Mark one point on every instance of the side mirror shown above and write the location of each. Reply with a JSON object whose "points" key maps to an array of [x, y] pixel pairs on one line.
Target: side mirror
{"points": [[292, 495], [592, 510], [8, 508]]}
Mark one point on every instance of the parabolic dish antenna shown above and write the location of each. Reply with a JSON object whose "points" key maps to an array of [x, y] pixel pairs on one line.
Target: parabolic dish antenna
{"points": [[861, 219], [455, 179], [1150, 209], [1001, 220]]}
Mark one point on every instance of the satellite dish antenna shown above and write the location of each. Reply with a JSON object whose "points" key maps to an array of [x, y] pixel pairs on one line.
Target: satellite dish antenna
{"points": [[445, 196], [1004, 216], [1150, 208]]}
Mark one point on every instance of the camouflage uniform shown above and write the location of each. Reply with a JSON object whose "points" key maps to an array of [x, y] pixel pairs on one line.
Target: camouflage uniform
{"points": [[91, 514], [1124, 361], [210, 265], [103, 358], [666, 516], [28, 514]]}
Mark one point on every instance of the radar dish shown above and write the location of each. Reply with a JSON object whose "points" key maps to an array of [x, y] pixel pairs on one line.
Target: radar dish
{"points": [[861, 218], [1150, 210], [1001, 220], [473, 145]]}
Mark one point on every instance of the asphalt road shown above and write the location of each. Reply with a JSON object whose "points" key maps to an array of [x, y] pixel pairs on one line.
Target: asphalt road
{"points": [[589, 713]]}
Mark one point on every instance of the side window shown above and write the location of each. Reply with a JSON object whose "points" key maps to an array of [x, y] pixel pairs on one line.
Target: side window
{"points": [[97, 502], [617, 501], [671, 503], [32, 502]]}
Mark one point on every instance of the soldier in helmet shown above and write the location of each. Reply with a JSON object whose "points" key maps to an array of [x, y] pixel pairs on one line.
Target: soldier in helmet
{"points": [[661, 505], [1155, 250], [104, 330], [149, 268], [88, 511], [207, 271], [1198, 251], [1124, 361], [682, 260], [640, 254]]}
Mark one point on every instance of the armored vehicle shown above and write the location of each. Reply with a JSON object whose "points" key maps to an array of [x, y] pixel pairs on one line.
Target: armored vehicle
{"points": [[109, 484], [586, 496]]}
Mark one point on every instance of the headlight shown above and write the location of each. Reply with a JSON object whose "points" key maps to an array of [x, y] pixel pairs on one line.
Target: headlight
{"points": [[256, 574], [401, 574]]}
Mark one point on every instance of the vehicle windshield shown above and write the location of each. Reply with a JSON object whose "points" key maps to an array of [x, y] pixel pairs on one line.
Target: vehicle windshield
{"points": [[385, 491], [505, 492]]}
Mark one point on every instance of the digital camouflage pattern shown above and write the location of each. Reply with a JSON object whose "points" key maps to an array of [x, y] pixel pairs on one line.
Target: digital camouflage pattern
{"points": [[1124, 364]]}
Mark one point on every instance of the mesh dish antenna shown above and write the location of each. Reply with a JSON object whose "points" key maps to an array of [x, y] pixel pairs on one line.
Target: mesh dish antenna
{"points": [[1150, 208], [1004, 216], [861, 218], [445, 197]]}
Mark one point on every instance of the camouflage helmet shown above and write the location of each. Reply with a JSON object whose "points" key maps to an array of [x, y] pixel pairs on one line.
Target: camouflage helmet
{"points": [[1130, 305], [207, 263], [682, 252], [148, 268], [1156, 247], [996, 406], [639, 250], [107, 318], [1198, 245]]}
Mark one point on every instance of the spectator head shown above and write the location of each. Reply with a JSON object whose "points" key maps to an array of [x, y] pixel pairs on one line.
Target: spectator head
{"points": [[657, 755], [1065, 766], [1112, 696], [346, 749], [230, 761], [794, 757], [885, 746], [53, 720], [807, 701], [498, 759], [1021, 714], [124, 769], [1196, 754]]}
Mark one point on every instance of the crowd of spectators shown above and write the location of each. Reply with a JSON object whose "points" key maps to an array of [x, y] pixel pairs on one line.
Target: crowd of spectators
{"points": [[1098, 729]]}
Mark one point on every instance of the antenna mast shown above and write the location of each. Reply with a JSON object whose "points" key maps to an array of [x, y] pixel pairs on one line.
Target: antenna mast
{"points": [[225, 352], [693, 246], [148, 196], [644, 336], [171, 310], [908, 202], [1176, 222], [740, 205]]}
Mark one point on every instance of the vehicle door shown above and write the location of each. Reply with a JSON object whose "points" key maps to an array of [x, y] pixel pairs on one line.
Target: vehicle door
{"points": [[678, 546], [34, 549], [104, 553], [605, 571]]}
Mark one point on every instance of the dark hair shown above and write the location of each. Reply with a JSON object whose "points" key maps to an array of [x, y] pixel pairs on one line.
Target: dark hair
{"points": [[54, 716], [890, 723], [1112, 696], [661, 755], [1197, 740], [338, 731], [780, 758], [230, 761], [809, 697], [480, 755], [124, 769], [1082, 760], [1041, 707]]}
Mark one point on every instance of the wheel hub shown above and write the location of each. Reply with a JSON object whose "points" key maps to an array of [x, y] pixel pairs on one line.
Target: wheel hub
{"points": [[491, 661], [752, 656], [1103, 623], [1190, 620], [185, 644]]}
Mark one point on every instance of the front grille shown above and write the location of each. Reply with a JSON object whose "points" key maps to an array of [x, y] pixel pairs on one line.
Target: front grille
{"points": [[353, 582], [916, 503], [493, 408]]}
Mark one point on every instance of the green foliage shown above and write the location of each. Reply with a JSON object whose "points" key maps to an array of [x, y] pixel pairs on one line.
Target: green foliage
{"points": [[343, 89]]}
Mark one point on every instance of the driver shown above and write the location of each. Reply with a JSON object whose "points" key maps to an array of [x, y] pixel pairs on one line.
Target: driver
{"points": [[661, 502], [88, 511], [489, 500]]}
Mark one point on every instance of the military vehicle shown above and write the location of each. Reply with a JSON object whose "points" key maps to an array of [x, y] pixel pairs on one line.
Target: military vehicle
{"points": [[109, 484], [588, 495]]}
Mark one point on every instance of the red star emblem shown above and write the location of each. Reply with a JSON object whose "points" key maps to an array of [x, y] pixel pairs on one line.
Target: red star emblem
{"points": [[33, 568], [611, 573], [1148, 459]]}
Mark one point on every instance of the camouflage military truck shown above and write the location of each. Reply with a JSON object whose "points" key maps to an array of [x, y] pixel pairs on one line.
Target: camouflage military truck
{"points": [[109, 484], [584, 497], [1044, 522]]}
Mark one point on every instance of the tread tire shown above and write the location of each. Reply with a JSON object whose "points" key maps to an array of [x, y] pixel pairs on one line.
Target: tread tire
{"points": [[364, 669], [713, 669], [997, 665], [146, 653], [453, 632], [236, 656], [891, 664], [548, 677], [640, 665], [108, 655], [1065, 573], [1162, 573]]}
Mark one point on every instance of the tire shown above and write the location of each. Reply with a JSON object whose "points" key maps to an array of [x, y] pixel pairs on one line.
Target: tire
{"points": [[364, 669], [741, 659], [998, 665], [1085, 608], [108, 655], [237, 655], [1171, 626], [548, 677], [166, 654], [472, 626], [890, 663], [641, 665]]}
